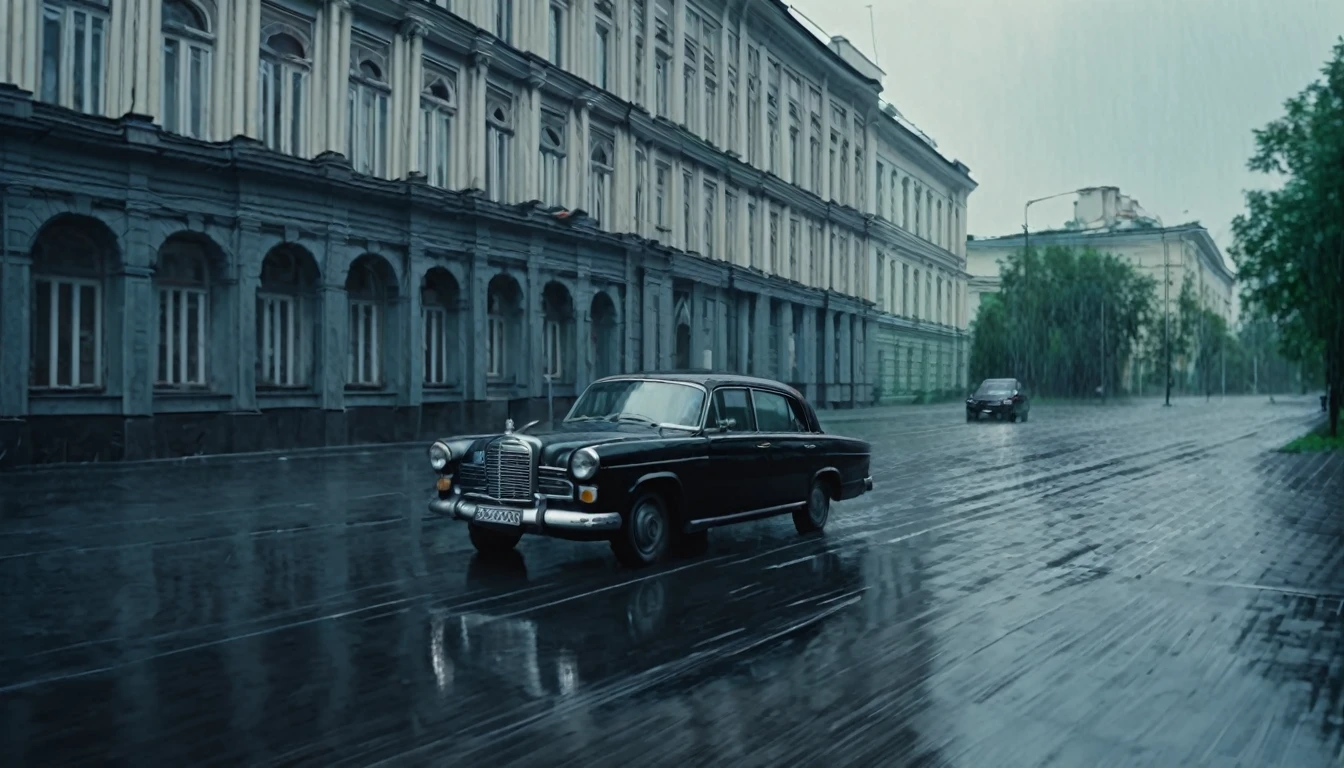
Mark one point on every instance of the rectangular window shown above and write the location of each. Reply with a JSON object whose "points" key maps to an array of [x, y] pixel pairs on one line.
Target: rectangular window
{"points": [[689, 99], [599, 194], [774, 243], [552, 341], [602, 55], [437, 353], [557, 33], [67, 344], [753, 235], [436, 144], [660, 196], [74, 55], [661, 84], [283, 100], [497, 163], [711, 129], [795, 234], [711, 193], [552, 178], [730, 226], [367, 139], [641, 174], [362, 368], [504, 20], [881, 198], [495, 346], [687, 211], [182, 341], [186, 87], [279, 338]]}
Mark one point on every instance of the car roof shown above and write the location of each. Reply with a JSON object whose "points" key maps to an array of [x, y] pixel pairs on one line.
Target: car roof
{"points": [[709, 379]]}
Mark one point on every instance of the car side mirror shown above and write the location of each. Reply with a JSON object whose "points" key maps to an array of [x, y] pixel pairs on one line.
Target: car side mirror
{"points": [[727, 424]]}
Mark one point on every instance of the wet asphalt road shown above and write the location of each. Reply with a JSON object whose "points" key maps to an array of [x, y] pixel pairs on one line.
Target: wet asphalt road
{"points": [[1127, 585]]}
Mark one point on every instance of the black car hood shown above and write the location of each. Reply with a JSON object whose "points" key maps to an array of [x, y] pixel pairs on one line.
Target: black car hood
{"points": [[566, 437]]}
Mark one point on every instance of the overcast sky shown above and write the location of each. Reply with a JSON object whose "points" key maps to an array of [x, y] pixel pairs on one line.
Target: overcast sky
{"points": [[1157, 97]]}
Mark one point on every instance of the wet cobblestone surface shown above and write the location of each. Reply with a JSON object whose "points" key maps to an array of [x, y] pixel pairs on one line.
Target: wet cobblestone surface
{"points": [[1119, 585]]}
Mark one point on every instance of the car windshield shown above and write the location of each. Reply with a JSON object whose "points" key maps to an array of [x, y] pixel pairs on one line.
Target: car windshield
{"points": [[993, 387], [663, 403]]}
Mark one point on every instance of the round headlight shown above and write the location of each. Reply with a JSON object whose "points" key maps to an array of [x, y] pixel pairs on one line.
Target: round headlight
{"points": [[583, 463], [439, 456]]}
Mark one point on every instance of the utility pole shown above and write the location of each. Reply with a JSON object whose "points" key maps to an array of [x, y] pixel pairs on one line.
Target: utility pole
{"points": [[1166, 312]]}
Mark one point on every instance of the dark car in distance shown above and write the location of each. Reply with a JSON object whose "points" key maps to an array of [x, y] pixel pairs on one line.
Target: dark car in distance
{"points": [[651, 461], [999, 399]]}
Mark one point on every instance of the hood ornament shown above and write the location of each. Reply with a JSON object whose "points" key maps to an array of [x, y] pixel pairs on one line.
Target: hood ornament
{"points": [[508, 426]]}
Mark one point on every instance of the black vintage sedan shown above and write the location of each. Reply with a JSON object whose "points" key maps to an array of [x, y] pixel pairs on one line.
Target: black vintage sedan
{"points": [[650, 462], [1000, 399]]}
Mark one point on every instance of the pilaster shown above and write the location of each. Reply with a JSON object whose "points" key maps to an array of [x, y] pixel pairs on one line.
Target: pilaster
{"points": [[15, 300]]}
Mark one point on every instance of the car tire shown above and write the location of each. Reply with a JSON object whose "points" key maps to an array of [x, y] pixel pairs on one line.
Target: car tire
{"points": [[692, 544], [646, 533], [492, 543], [812, 517]]}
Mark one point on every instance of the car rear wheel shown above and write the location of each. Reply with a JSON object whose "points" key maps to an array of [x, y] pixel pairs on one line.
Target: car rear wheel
{"points": [[646, 535], [492, 543], [813, 516]]}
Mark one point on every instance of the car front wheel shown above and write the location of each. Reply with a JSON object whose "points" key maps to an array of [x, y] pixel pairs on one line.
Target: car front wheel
{"points": [[490, 542], [646, 536], [813, 516]]}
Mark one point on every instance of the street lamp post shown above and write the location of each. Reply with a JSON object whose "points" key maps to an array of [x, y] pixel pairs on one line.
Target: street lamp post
{"points": [[1026, 237], [1166, 312]]}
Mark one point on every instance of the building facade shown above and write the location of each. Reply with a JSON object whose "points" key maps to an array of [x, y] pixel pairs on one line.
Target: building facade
{"points": [[1114, 223], [255, 224]]}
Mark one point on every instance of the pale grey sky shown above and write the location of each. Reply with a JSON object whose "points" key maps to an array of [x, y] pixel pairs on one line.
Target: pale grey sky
{"points": [[1157, 97]]}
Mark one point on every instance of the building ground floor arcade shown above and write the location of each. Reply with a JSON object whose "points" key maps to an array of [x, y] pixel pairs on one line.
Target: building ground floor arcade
{"points": [[207, 310]]}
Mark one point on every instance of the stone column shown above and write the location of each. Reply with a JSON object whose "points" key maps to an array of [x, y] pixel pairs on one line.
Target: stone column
{"points": [[739, 128], [474, 326], [677, 92], [474, 167], [826, 193], [807, 354], [411, 348], [870, 171], [721, 331], [829, 340], [846, 346], [412, 41], [760, 337], [133, 312], [762, 95], [527, 119], [584, 363], [744, 352], [333, 332], [534, 328], [786, 342], [15, 304], [648, 312], [578, 154], [249, 66], [667, 325], [650, 56]]}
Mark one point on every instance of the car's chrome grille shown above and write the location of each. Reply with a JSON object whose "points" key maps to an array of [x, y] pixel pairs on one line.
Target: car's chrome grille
{"points": [[508, 470], [503, 474]]}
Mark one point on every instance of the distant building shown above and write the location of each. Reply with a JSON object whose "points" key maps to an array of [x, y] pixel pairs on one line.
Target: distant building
{"points": [[1115, 223]]}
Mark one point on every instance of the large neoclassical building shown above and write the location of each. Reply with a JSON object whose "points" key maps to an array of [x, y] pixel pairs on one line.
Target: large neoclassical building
{"points": [[232, 225]]}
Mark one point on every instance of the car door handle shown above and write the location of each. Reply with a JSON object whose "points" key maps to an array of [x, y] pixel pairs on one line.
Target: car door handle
{"points": [[810, 446], [763, 445]]}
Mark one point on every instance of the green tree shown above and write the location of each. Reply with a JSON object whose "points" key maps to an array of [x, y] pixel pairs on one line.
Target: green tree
{"points": [[1289, 245], [1064, 321]]}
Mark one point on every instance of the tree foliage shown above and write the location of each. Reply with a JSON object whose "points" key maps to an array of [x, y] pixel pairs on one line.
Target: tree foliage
{"points": [[1289, 244], [1065, 321]]}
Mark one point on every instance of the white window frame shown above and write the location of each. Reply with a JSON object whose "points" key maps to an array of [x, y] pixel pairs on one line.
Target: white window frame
{"points": [[283, 334], [602, 40], [600, 180], [553, 349], [369, 115], [711, 127], [552, 165], [194, 50], [365, 347], [504, 20], [688, 230], [496, 346], [80, 76], [662, 85], [710, 191], [437, 116], [55, 344], [557, 19], [499, 139], [289, 133], [177, 332], [436, 350], [660, 173], [730, 225]]}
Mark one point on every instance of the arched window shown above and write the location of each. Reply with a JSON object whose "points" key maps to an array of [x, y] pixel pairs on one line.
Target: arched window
{"points": [[438, 109], [284, 93], [558, 332], [498, 136], [369, 109], [70, 259], [553, 160], [73, 48], [439, 298], [368, 287], [503, 326], [183, 281], [285, 301], [601, 168], [187, 47]]}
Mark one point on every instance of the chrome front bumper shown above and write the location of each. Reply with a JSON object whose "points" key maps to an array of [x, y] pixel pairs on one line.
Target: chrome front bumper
{"points": [[536, 518]]}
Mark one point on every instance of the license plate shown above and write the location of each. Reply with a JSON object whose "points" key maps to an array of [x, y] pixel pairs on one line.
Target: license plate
{"points": [[499, 515]]}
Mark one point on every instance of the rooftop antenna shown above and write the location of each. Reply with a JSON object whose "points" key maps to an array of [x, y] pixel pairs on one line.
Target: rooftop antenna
{"points": [[873, 29]]}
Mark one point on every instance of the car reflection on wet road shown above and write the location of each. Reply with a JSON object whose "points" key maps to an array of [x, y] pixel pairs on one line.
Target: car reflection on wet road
{"points": [[1127, 585]]}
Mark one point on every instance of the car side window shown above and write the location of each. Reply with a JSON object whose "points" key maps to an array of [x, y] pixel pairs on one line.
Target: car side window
{"points": [[733, 406], [774, 413]]}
